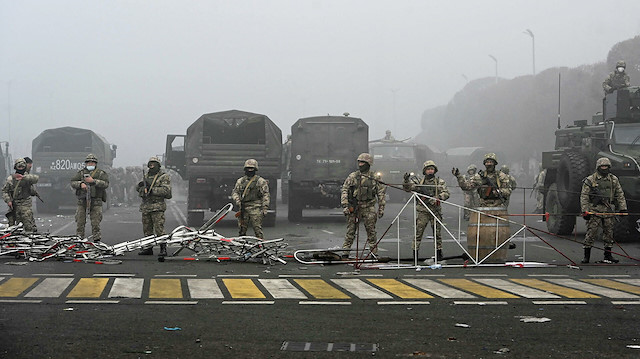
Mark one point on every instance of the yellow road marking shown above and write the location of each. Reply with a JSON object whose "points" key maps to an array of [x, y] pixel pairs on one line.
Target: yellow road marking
{"points": [[615, 285], [478, 289], [243, 288], [165, 288], [554, 288], [398, 288], [320, 289], [14, 286], [89, 288]]}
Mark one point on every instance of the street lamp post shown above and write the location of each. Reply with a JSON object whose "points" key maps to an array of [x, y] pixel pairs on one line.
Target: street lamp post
{"points": [[533, 47], [395, 121], [496, 60]]}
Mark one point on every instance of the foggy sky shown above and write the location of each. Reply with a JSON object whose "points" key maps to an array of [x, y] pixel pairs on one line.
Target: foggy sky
{"points": [[135, 71]]}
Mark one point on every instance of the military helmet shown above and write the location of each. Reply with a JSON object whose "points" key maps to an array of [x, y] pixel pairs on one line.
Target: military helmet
{"points": [[91, 158], [154, 159], [504, 169], [490, 156], [429, 163], [19, 163], [251, 163], [621, 64], [472, 167], [365, 157], [603, 161]]}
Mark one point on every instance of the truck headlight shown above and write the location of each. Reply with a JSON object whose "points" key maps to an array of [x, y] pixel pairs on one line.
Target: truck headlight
{"points": [[194, 160]]}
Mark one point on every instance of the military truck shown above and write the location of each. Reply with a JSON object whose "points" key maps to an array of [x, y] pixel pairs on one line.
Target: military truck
{"points": [[58, 153], [615, 134], [392, 159], [323, 153], [211, 158]]}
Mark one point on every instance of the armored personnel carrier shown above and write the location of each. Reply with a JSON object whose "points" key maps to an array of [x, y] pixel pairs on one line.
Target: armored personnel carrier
{"points": [[615, 134], [211, 157]]}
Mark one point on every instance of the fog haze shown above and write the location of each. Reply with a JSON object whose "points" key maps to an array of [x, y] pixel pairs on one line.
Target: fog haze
{"points": [[135, 71]]}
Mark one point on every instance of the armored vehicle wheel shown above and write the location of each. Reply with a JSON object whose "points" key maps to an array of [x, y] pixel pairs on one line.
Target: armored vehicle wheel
{"points": [[626, 229], [571, 172], [195, 219], [557, 223], [295, 209]]}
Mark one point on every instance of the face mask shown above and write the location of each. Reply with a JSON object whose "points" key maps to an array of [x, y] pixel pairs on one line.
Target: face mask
{"points": [[620, 69], [21, 171], [490, 167], [364, 167], [603, 171], [91, 168], [153, 170], [250, 172]]}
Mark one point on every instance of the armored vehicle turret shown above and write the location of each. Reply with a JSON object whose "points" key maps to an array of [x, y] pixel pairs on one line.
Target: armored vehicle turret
{"points": [[614, 134]]}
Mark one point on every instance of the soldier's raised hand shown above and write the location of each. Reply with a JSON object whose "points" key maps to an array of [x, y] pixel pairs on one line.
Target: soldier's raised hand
{"points": [[406, 177], [455, 171]]}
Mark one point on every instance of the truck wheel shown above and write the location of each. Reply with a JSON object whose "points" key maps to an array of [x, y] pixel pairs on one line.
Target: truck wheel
{"points": [[295, 209], [625, 230], [571, 172], [557, 223], [195, 219]]}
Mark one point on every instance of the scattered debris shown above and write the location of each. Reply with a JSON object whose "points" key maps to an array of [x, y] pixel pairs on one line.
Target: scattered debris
{"points": [[172, 329], [502, 351], [68, 309], [534, 319], [462, 325], [452, 339], [633, 346]]}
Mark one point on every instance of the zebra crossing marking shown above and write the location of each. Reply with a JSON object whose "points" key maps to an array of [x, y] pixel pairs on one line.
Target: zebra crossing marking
{"points": [[478, 289], [204, 289], [553, 288], [282, 289], [127, 288], [399, 289], [587, 287], [88, 288], [165, 288], [15, 286], [361, 289], [243, 288], [517, 289], [438, 289], [50, 288], [614, 285], [320, 289]]}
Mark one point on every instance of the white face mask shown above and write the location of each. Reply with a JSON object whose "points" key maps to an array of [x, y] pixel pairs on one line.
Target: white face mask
{"points": [[620, 69], [91, 168]]}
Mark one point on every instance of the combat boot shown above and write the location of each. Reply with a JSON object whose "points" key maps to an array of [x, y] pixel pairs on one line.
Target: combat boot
{"points": [[439, 255], [587, 255], [607, 256], [163, 250], [146, 251]]}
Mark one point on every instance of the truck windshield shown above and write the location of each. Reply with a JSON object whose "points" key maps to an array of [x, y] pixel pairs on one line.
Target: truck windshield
{"points": [[627, 134], [392, 152]]}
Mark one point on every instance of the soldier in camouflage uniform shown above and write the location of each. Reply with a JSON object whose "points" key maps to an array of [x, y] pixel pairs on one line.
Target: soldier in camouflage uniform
{"points": [[360, 192], [617, 79], [251, 196], [601, 193], [470, 197], [154, 189], [538, 188], [512, 182], [96, 181], [492, 186], [431, 186], [17, 192]]}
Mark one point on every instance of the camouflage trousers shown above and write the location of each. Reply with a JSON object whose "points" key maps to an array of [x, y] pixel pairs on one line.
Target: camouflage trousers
{"points": [[253, 217], [95, 216], [539, 201], [369, 216], [592, 230], [23, 214], [153, 223], [470, 201], [424, 219]]}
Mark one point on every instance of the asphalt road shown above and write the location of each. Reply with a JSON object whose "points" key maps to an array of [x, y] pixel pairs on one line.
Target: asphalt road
{"points": [[257, 310]]}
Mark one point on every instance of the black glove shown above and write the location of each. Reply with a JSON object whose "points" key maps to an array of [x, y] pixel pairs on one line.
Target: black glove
{"points": [[143, 184], [455, 171], [406, 177]]}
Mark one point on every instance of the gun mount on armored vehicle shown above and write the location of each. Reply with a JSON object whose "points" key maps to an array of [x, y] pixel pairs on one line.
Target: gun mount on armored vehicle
{"points": [[58, 153], [614, 134], [211, 157], [323, 153]]}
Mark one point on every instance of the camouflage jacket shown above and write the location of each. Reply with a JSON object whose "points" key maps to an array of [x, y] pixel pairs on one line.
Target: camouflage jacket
{"points": [[159, 189], [365, 193], [539, 184], [615, 81], [19, 191], [493, 188], [512, 183], [602, 194], [257, 196], [433, 187], [98, 188]]}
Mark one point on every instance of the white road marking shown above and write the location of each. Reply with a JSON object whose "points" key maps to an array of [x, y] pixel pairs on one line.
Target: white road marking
{"points": [[114, 275], [313, 302], [328, 232], [630, 281], [517, 289], [625, 302], [204, 288], [439, 289], [282, 289], [361, 289], [479, 303], [403, 303], [92, 302], [30, 301], [50, 288], [171, 302], [248, 302], [559, 302], [127, 288], [54, 274]]}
